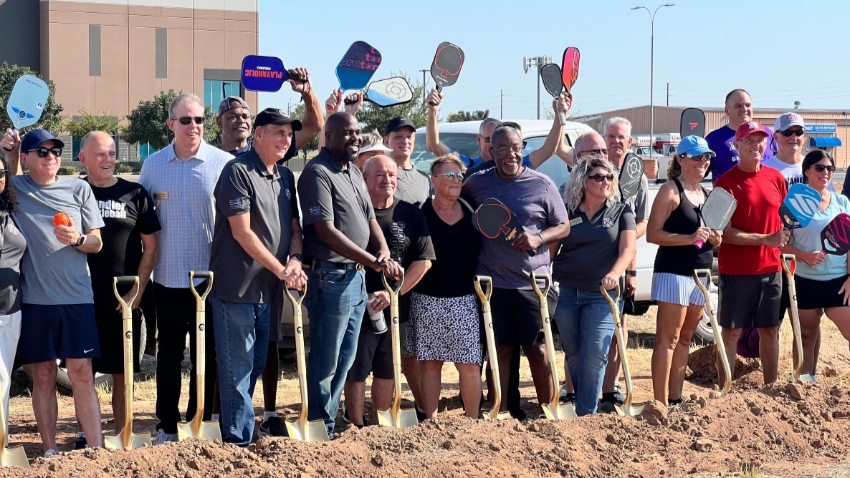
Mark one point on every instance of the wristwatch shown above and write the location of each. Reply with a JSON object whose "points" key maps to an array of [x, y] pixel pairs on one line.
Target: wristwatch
{"points": [[632, 273], [80, 241]]}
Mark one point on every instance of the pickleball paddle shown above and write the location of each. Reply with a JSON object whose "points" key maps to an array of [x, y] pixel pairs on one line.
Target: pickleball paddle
{"points": [[630, 176], [263, 73], [554, 84], [27, 101], [717, 210], [357, 66], [569, 67], [799, 206], [692, 122], [389, 92], [493, 219], [835, 237], [448, 61]]}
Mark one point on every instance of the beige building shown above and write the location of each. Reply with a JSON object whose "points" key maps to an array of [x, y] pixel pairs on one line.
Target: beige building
{"points": [[105, 56], [826, 129]]}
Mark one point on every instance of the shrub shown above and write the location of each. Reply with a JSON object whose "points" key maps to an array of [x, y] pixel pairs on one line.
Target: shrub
{"points": [[123, 168], [67, 171]]}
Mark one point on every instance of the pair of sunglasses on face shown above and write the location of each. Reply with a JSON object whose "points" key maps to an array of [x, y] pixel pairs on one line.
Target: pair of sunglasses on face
{"points": [[823, 167], [787, 133], [43, 152], [601, 177], [185, 120], [452, 176]]}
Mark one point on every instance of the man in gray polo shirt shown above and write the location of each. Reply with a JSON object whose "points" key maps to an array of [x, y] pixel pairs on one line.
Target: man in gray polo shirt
{"points": [[413, 185], [256, 229], [339, 223]]}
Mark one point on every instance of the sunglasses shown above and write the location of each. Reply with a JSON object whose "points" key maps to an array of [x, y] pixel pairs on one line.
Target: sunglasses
{"points": [[823, 167], [185, 120], [788, 132], [704, 158], [595, 152], [4, 174], [452, 176], [601, 177], [43, 152]]}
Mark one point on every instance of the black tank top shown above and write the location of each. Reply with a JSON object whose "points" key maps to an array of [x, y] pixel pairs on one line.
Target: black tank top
{"points": [[682, 260]]}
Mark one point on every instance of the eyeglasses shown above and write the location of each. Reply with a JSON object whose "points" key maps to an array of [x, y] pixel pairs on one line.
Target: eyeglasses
{"points": [[4, 174], [788, 132], [43, 152], [822, 167], [452, 176], [595, 152], [704, 158], [185, 120], [601, 177], [506, 150]]}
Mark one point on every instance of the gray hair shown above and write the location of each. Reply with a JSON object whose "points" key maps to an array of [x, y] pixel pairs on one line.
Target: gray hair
{"points": [[575, 185], [503, 131], [488, 122], [88, 137], [180, 99], [617, 120], [371, 139], [581, 140]]}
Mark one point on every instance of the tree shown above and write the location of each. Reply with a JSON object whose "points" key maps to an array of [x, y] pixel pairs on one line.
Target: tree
{"points": [[50, 115], [299, 113], [467, 116], [92, 122], [374, 117], [147, 122]]}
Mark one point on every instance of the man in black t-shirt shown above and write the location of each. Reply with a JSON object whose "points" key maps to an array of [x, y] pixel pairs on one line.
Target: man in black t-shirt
{"points": [[129, 249], [406, 232]]}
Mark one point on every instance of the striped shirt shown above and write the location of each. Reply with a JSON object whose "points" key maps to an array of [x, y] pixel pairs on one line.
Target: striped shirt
{"points": [[182, 192]]}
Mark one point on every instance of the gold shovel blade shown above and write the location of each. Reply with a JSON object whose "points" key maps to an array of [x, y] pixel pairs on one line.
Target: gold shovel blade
{"points": [[14, 456], [562, 411], [114, 442], [631, 410], [311, 431], [208, 431], [406, 418]]}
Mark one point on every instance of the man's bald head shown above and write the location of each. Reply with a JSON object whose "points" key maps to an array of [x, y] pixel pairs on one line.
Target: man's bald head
{"points": [[98, 136], [377, 161], [342, 136]]}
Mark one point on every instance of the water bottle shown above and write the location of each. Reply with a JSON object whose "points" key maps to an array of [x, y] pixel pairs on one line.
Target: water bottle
{"points": [[379, 324]]}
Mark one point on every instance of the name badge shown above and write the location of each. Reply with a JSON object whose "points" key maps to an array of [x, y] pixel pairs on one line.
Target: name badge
{"points": [[575, 222], [162, 195]]}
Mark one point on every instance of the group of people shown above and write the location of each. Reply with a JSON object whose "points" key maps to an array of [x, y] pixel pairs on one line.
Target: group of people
{"points": [[360, 210]]}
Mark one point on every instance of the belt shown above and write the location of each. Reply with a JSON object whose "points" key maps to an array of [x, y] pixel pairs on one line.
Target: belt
{"points": [[347, 266]]}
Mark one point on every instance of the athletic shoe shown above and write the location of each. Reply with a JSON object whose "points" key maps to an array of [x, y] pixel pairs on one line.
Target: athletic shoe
{"points": [[347, 419], [273, 427], [81, 443], [420, 414], [519, 414], [50, 452], [675, 403], [163, 437], [569, 398]]}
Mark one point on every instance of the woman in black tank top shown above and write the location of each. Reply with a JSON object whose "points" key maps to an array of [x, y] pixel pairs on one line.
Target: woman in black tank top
{"points": [[674, 224]]}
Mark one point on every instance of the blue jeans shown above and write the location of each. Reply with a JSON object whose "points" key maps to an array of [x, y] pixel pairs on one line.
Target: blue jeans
{"points": [[242, 340], [586, 328], [336, 301]]}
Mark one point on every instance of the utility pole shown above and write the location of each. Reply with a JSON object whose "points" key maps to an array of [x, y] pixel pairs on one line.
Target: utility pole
{"points": [[538, 61], [652, 66], [502, 105], [668, 94], [424, 89]]}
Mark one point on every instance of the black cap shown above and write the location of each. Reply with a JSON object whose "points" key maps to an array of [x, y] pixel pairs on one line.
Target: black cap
{"points": [[397, 123], [277, 117]]}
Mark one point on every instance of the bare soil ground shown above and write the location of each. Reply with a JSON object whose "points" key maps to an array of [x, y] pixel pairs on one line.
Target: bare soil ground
{"points": [[777, 430]]}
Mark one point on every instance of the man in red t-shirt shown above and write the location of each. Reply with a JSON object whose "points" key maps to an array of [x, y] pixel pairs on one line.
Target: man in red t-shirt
{"points": [[750, 271]]}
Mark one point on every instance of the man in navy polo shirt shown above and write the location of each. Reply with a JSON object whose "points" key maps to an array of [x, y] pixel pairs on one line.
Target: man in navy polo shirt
{"points": [[739, 110], [257, 243]]}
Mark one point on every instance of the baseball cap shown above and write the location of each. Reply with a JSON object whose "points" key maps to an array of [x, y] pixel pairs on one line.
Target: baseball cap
{"points": [[787, 120], [399, 122], [749, 128], [277, 117], [35, 138], [693, 145], [374, 147], [227, 104]]}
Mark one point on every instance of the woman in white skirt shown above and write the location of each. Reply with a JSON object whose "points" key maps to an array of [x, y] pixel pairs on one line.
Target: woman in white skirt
{"points": [[12, 246], [444, 319], [674, 224]]}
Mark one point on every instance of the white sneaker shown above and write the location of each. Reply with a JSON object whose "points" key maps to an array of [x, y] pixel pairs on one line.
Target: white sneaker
{"points": [[50, 452], [163, 437]]}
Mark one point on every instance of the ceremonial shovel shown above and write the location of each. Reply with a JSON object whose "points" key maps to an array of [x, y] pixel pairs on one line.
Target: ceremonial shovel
{"points": [[395, 416], [492, 357]]}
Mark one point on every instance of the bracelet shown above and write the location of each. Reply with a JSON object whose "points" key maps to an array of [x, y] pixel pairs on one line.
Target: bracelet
{"points": [[298, 257], [632, 273], [542, 241]]}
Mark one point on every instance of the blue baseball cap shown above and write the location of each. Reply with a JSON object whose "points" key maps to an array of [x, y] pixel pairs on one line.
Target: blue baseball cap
{"points": [[693, 145], [35, 138]]}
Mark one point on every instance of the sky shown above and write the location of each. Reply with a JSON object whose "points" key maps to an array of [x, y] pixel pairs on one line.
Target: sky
{"points": [[780, 51]]}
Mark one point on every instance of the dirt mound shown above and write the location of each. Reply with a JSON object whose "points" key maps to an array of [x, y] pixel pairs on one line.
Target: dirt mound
{"points": [[732, 433], [702, 369]]}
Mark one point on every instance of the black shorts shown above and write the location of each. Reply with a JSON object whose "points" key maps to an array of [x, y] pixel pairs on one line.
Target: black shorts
{"points": [[750, 301], [516, 316], [374, 353], [110, 331], [49, 332], [819, 294]]}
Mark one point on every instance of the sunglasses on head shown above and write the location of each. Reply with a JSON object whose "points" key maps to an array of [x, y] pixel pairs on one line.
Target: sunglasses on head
{"points": [[823, 167], [185, 120], [43, 152], [788, 132], [452, 176], [601, 177]]}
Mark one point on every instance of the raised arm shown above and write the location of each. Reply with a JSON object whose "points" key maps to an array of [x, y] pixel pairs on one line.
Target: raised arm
{"points": [[555, 139], [313, 120], [432, 129]]}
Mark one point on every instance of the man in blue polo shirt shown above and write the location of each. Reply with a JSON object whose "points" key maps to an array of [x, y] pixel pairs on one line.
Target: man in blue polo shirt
{"points": [[739, 110]]}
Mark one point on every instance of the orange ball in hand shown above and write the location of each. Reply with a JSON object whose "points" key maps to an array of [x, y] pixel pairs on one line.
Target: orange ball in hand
{"points": [[61, 219]]}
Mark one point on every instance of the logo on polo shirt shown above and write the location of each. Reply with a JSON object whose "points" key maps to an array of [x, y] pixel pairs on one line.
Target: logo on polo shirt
{"points": [[112, 209], [288, 195], [239, 204], [607, 222], [316, 211], [14, 230]]}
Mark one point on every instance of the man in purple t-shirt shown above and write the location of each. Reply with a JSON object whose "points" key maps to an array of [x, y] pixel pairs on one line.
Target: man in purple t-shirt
{"points": [[541, 213], [739, 110]]}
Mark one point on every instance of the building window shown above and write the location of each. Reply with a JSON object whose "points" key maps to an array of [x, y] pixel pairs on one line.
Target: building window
{"points": [[94, 50], [217, 90], [162, 53]]}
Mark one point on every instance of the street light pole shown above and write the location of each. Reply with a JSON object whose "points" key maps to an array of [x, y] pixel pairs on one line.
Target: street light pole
{"points": [[424, 91], [652, 69], [538, 61]]}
